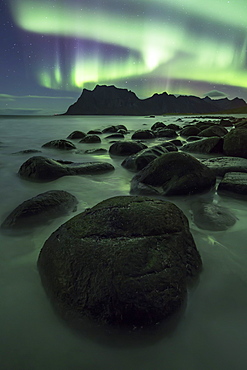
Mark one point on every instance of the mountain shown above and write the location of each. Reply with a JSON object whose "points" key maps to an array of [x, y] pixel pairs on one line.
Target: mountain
{"points": [[110, 100]]}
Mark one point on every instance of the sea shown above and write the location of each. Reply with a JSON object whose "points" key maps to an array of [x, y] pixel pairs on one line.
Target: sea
{"points": [[211, 331]]}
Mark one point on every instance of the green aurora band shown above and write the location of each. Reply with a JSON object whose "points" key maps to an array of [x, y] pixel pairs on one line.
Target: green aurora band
{"points": [[157, 49]]}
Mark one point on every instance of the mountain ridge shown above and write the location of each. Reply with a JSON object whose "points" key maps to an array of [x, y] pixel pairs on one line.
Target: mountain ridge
{"points": [[110, 100]]}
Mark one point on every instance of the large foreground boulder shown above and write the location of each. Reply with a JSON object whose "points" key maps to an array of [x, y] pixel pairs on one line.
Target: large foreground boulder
{"points": [[126, 261], [173, 173], [40, 209], [45, 169]]}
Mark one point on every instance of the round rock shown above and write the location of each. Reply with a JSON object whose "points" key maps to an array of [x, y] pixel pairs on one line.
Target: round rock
{"points": [[125, 261]]}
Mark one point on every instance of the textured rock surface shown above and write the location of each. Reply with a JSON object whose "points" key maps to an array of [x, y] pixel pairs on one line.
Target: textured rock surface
{"points": [[125, 261], [45, 169], [234, 182], [205, 146], [126, 147], [39, 209], [235, 143], [173, 173], [222, 165], [60, 144]]}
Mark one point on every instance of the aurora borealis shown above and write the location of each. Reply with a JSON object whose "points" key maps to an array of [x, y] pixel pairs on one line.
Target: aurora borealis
{"points": [[54, 48]]}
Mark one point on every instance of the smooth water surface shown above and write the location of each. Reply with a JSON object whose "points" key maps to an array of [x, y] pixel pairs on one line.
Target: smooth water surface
{"points": [[212, 330]]}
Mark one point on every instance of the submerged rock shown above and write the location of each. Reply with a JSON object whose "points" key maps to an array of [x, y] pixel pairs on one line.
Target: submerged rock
{"points": [[40, 209], [126, 261], [211, 216], [46, 169], [59, 144], [173, 173]]}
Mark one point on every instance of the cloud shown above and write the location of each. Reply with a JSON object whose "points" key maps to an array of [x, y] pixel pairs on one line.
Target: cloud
{"points": [[14, 97], [215, 94]]}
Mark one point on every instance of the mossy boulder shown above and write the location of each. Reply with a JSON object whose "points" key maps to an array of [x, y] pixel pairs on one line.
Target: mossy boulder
{"points": [[126, 261], [40, 209], [124, 148], [173, 173], [39, 168], [235, 143], [59, 144]]}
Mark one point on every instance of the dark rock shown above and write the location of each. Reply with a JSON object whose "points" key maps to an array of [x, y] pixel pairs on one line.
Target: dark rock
{"points": [[40, 209], [126, 147], [189, 131], [76, 135], [113, 129], [89, 139], [235, 143], [173, 173], [170, 146], [176, 142], [173, 126], [215, 130], [222, 165], [124, 262], [226, 122], [115, 136], [59, 144], [209, 216], [205, 146], [96, 151], [235, 183], [139, 160], [167, 132], [45, 169], [143, 134], [241, 124], [94, 132], [157, 125], [28, 151]]}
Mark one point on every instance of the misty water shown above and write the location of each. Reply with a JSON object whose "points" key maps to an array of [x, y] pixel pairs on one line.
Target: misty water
{"points": [[211, 332]]}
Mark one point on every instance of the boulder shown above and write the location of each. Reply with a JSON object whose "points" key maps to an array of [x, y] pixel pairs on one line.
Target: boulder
{"points": [[59, 144], [210, 216], [157, 125], [166, 132], [40, 209], [190, 131], [204, 146], [124, 148], [143, 134], [117, 135], [234, 183], [45, 169], [114, 128], [76, 135], [124, 262], [88, 139], [137, 161], [173, 173], [235, 143], [215, 130], [222, 165]]}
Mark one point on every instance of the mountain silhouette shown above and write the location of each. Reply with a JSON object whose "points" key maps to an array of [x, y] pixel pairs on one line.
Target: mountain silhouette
{"points": [[110, 100]]}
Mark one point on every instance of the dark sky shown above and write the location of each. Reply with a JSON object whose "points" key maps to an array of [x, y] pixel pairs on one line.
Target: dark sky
{"points": [[51, 50]]}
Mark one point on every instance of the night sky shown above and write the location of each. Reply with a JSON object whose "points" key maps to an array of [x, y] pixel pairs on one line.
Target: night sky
{"points": [[52, 49]]}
